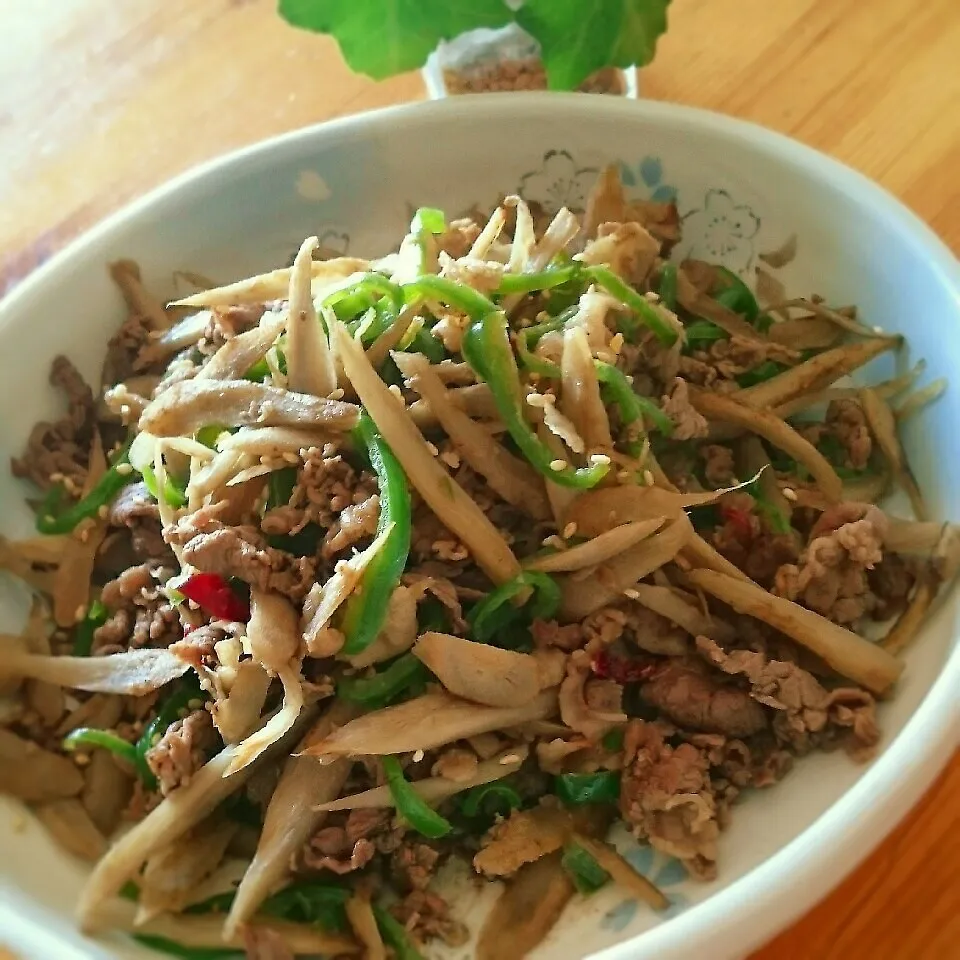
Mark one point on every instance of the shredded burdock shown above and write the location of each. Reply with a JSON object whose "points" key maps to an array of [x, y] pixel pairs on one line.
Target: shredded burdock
{"points": [[468, 552]]}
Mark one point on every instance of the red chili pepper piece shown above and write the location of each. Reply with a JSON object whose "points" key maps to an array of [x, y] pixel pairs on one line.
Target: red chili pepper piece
{"points": [[621, 669], [211, 592], [740, 520]]}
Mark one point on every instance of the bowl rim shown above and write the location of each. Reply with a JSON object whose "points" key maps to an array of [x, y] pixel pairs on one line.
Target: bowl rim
{"points": [[756, 906]]}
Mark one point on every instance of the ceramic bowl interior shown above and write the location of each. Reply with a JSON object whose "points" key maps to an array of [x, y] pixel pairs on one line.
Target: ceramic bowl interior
{"points": [[741, 191]]}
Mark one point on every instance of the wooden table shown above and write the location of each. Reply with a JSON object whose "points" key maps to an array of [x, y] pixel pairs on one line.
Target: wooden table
{"points": [[100, 101]]}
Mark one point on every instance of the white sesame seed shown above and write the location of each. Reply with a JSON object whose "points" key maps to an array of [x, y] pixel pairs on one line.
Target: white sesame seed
{"points": [[599, 459], [651, 296], [569, 530], [396, 391], [124, 469], [432, 447], [509, 758], [102, 512], [337, 394], [558, 464], [418, 756], [790, 493], [631, 593], [648, 478]]}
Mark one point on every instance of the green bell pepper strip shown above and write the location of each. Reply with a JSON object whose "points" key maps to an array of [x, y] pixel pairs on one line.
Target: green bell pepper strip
{"points": [[545, 280], [410, 805], [108, 486], [280, 487], [426, 343], [632, 406], [703, 331], [667, 289], [428, 219], [366, 609], [613, 740], [492, 613], [646, 312], [88, 737], [486, 347], [737, 296], [760, 373], [587, 875], [348, 301], [395, 935], [533, 363], [187, 690], [383, 688], [174, 493], [490, 799], [85, 629], [580, 788]]}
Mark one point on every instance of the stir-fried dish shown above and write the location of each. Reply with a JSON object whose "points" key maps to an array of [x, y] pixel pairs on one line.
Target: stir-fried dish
{"points": [[519, 535]]}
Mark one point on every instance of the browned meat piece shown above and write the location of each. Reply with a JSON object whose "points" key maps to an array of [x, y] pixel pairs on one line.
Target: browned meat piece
{"points": [[363, 824], [604, 697], [666, 797], [719, 468], [356, 522], [356, 858], [58, 452], [458, 238], [746, 540], [830, 576], [655, 634], [262, 943], [181, 751], [807, 715], [226, 322], [891, 581], [213, 547], [327, 487], [848, 424], [140, 613], [688, 423], [698, 702], [527, 835], [135, 509], [124, 350], [426, 915], [197, 647], [413, 865]]}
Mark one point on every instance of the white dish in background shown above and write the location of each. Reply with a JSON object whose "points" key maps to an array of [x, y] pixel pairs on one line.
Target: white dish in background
{"points": [[742, 190]]}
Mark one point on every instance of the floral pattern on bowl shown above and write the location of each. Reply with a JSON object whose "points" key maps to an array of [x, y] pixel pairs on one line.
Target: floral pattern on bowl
{"points": [[723, 231]]}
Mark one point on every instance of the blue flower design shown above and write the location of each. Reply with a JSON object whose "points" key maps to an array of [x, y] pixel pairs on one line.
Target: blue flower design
{"points": [[664, 871], [558, 183], [649, 173], [722, 231]]}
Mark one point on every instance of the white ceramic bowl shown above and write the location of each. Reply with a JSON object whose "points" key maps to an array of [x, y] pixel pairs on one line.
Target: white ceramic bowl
{"points": [[741, 190]]}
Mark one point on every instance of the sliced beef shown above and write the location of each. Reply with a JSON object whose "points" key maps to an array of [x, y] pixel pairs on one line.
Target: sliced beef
{"points": [[688, 423], [426, 915], [181, 751], [136, 510], [830, 576], [807, 715], [667, 798], [140, 615], [58, 452], [213, 547], [696, 701]]}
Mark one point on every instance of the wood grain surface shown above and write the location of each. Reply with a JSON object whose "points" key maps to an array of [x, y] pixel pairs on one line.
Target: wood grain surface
{"points": [[101, 101]]}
